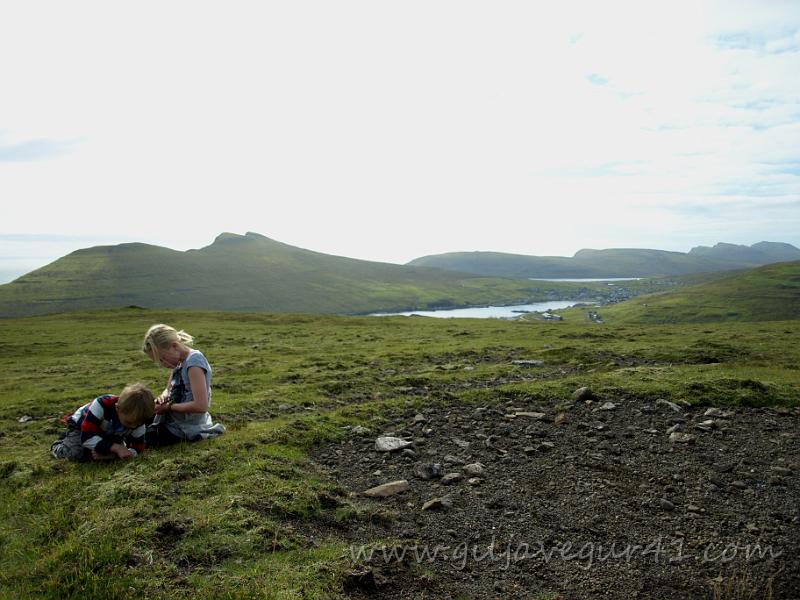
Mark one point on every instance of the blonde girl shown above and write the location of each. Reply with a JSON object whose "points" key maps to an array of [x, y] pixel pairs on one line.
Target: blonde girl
{"points": [[182, 408]]}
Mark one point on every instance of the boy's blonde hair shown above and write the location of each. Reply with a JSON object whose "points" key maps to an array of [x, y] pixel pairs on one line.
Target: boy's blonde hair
{"points": [[136, 403], [162, 336]]}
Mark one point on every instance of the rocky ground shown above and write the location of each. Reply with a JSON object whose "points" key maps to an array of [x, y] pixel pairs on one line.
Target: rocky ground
{"points": [[607, 498]]}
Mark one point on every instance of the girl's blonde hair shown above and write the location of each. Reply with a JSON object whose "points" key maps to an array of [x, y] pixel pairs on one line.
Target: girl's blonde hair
{"points": [[160, 337]]}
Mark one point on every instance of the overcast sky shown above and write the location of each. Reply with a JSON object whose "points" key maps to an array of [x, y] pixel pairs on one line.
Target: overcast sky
{"points": [[391, 130]]}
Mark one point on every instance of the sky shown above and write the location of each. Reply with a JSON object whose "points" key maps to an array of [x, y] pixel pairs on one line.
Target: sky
{"points": [[392, 130]]}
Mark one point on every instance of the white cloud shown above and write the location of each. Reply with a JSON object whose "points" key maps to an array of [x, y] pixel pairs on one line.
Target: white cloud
{"points": [[387, 131]]}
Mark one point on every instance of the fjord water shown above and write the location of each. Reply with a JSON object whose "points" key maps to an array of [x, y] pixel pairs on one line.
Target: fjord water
{"points": [[485, 312]]}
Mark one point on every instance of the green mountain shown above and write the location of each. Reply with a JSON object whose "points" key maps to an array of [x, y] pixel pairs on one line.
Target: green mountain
{"points": [[246, 273], [761, 253], [769, 293], [619, 262]]}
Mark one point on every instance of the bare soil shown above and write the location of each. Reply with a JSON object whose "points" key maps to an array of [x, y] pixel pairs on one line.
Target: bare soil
{"points": [[590, 502]]}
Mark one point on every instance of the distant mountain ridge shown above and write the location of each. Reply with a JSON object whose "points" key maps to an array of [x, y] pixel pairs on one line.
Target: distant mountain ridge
{"points": [[248, 272], [615, 262]]}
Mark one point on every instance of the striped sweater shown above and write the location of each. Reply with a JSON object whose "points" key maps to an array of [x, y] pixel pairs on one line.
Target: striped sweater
{"points": [[100, 426]]}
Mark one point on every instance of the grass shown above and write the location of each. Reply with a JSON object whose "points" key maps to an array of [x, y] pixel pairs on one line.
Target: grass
{"points": [[249, 514]]}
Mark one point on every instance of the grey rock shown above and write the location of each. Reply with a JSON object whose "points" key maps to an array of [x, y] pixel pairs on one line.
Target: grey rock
{"points": [[452, 478], [666, 504], [608, 406], [528, 363], [388, 489], [390, 444], [474, 470], [533, 415], [681, 438], [666, 403], [453, 460], [438, 503], [428, 471], [461, 443], [582, 394]]}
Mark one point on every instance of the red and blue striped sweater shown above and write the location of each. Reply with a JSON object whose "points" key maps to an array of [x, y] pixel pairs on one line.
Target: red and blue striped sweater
{"points": [[100, 426]]}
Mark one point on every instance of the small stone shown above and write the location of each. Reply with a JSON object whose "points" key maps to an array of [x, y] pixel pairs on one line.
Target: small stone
{"points": [[561, 419], [529, 450], [739, 485], [25, 419], [693, 508], [390, 444], [461, 443], [474, 470], [388, 489], [781, 471], [582, 394], [545, 446], [438, 503], [359, 430], [608, 406], [419, 418], [528, 363], [533, 415], [283, 407], [453, 460], [475, 481], [666, 504], [452, 478], [408, 453], [674, 428], [681, 438], [671, 405]]}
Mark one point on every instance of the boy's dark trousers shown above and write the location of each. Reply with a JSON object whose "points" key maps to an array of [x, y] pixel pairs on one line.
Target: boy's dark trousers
{"points": [[70, 446]]}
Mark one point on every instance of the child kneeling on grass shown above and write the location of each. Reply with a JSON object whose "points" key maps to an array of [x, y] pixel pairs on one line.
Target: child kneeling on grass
{"points": [[108, 427]]}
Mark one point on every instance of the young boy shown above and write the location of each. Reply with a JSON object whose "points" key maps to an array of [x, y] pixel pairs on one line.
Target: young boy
{"points": [[108, 427]]}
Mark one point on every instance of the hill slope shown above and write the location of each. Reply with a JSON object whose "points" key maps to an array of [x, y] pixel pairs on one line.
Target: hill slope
{"points": [[769, 293], [243, 273], [615, 262]]}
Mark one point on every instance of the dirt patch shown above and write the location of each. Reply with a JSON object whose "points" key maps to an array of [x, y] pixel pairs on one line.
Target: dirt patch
{"points": [[595, 502]]}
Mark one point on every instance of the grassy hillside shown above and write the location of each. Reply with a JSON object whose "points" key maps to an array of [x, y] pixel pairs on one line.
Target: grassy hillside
{"points": [[619, 262], [248, 273], [250, 514], [767, 293]]}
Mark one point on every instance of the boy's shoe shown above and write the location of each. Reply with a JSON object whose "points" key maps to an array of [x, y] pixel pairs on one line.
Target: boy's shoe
{"points": [[58, 450]]}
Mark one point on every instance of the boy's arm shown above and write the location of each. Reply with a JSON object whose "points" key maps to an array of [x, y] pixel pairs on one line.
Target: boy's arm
{"points": [[135, 438], [92, 435]]}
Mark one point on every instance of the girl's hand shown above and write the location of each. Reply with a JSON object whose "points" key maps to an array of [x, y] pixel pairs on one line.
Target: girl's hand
{"points": [[97, 456], [161, 408]]}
